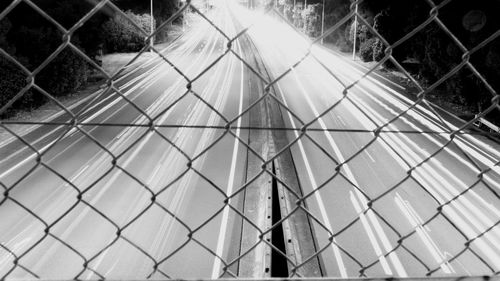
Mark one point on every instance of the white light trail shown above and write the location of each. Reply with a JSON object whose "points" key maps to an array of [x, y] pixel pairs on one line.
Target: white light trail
{"points": [[371, 235], [416, 224], [350, 175], [230, 183]]}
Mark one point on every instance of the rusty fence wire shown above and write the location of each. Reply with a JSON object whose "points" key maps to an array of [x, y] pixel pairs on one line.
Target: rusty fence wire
{"points": [[313, 243]]}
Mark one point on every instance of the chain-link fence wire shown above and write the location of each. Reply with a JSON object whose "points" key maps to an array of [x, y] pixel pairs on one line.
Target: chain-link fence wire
{"points": [[476, 246]]}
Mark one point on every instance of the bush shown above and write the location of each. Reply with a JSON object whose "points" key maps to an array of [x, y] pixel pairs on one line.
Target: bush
{"points": [[12, 80], [5, 26], [344, 45], [64, 75], [364, 33], [378, 50], [122, 36], [335, 11], [366, 50], [311, 17]]}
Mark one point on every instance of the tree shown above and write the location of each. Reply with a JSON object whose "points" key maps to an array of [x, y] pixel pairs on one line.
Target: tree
{"points": [[162, 9], [381, 24], [122, 36]]}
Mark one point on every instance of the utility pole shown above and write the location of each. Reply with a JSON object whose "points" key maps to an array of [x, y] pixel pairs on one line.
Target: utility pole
{"points": [[151, 41], [355, 32], [294, 11], [184, 16], [323, 22]]}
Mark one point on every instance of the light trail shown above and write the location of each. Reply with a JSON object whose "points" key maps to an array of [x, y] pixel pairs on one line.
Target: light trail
{"points": [[371, 235], [416, 223], [178, 200], [230, 183], [152, 72], [317, 196], [96, 164], [430, 173], [350, 175], [397, 142], [371, 86]]}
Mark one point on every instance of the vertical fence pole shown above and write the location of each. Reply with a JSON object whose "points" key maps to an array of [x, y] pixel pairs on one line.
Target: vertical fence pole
{"points": [[151, 42], [323, 22], [355, 32]]}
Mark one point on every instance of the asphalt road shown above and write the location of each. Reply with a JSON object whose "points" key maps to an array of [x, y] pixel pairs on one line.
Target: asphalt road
{"points": [[147, 162], [403, 233], [126, 201]]}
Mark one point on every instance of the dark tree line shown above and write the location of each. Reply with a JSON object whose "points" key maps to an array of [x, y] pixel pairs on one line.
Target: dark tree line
{"points": [[428, 55], [432, 52], [30, 38]]}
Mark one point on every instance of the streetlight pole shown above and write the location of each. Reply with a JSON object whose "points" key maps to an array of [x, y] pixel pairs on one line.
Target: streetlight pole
{"points": [[355, 32], [323, 22], [294, 11], [184, 16], [151, 41]]}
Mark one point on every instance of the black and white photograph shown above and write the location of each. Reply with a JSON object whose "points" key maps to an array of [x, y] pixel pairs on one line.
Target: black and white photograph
{"points": [[250, 139]]}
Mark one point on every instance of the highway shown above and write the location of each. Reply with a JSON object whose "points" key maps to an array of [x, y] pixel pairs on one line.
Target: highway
{"points": [[375, 167], [149, 162], [138, 188]]}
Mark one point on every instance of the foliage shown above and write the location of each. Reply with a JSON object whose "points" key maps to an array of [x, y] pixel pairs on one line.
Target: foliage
{"points": [[30, 38], [12, 80], [378, 50], [366, 50], [382, 25], [364, 33], [162, 9], [311, 17], [336, 10], [431, 51], [121, 35], [5, 26], [64, 75]]}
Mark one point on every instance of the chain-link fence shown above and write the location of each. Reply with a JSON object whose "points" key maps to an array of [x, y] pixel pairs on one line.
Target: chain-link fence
{"points": [[246, 149]]}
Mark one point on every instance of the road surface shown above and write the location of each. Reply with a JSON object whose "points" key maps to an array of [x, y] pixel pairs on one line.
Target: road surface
{"points": [[138, 188], [374, 168]]}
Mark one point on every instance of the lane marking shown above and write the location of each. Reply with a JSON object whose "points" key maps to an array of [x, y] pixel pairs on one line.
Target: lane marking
{"points": [[383, 237], [369, 156], [317, 196], [81, 216], [428, 179], [371, 235], [440, 181], [416, 224], [180, 193], [229, 190]]}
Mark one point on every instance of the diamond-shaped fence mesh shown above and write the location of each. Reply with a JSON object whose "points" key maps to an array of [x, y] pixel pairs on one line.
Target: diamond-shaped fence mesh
{"points": [[247, 149]]}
